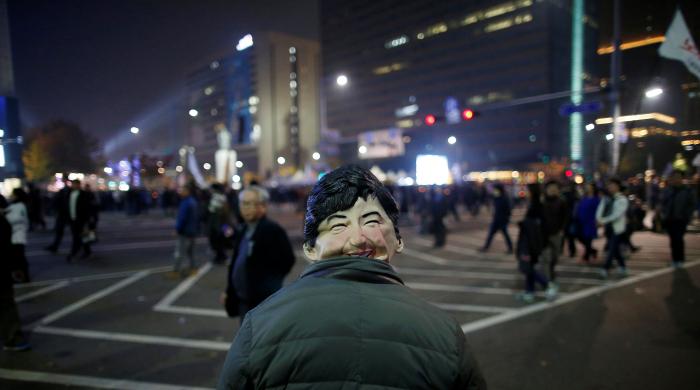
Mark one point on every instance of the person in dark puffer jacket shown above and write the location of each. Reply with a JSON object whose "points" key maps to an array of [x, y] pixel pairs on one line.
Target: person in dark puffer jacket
{"points": [[349, 322]]}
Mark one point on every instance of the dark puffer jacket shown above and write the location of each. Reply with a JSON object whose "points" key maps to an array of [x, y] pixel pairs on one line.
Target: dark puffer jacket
{"points": [[349, 323]]}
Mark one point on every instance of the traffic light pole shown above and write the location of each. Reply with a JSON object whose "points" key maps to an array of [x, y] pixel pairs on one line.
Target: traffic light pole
{"points": [[615, 69]]}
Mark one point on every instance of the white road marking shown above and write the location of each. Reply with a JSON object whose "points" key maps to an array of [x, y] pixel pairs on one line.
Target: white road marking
{"points": [[182, 288], [99, 248], [88, 381], [509, 316], [473, 308], [468, 289], [196, 311], [91, 298], [41, 291], [136, 338], [510, 265], [486, 275], [111, 275]]}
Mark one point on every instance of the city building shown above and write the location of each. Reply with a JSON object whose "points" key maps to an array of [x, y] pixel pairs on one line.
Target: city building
{"points": [[10, 132], [265, 92], [420, 66]]}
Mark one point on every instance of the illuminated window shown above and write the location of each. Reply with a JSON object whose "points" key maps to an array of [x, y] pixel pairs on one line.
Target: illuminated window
{"points": [[382, 70], [402, 40], [507, 23]]}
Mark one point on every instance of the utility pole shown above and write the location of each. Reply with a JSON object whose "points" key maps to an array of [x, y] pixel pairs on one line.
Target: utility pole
{"points": [[615, 69]]}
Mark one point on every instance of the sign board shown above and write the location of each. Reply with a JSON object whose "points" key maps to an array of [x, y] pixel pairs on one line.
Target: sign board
{"points": [[584, 107], [452, 112], [380, 144]]}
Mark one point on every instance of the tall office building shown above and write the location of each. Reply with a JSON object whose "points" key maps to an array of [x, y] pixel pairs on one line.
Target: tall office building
{"points": [[265, 92], [389, 64], [10, 132]]}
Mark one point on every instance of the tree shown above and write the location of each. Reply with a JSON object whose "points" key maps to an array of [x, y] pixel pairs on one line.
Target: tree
{"points": [[37, 164], [59, 146]]}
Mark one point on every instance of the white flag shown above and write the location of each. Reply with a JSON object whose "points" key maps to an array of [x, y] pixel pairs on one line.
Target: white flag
{"points": [[679, 45]]}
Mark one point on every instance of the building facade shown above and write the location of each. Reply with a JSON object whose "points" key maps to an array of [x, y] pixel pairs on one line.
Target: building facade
{"points": [[10, 131], [508, 61], [265, 93]]}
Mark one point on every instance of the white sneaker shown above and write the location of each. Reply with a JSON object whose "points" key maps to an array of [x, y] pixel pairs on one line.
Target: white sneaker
{"points": [[552, 292], [525, 297]]}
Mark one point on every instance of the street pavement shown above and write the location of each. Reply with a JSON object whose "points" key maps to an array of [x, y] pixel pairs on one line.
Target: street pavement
{"points": [[116, 320]]}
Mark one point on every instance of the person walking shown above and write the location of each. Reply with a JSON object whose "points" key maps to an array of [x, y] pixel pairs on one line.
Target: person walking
{"points": [[35, 207], [219, 222], [187, 228], [529, 248], [80, 209], [18, 218], [501, 218], [571, 199], [60, 207], [438, 211], [677, 208], [11, 334], [349, 322], [586, 219], [262, 256], [555, 217], [612, 214]]}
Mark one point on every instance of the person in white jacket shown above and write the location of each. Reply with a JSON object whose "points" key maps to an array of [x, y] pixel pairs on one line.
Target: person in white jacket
{"points": [[611, 213], [16, 215]]}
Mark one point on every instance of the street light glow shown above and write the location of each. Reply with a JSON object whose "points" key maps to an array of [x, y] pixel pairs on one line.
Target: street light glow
{"points": [[590, 127], [342, 80], [239, 164], [281, 160], [653, 92], [206, 166], [609, 136], [362, 149], [108, 170], [316, 156], [452, 140], [134, 130], [178, 168], [193, 113], [245, 42]]}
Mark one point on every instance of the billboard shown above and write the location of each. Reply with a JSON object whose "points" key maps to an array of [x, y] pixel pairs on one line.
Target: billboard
{"points": [[380, 144]]}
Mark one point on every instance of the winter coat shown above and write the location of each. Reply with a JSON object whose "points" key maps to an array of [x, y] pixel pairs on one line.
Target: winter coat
{"points": [[349, 323], [502, 210], [16, 214], [617, 215], [555, 215], [585, 216], [187, 223], [530, 241], [678, 204]]}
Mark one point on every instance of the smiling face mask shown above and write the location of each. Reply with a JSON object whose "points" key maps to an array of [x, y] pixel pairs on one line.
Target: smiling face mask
{"points": [[363, 230]]}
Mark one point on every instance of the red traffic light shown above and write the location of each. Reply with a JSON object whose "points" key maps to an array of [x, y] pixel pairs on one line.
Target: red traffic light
{"points": [[430, 120], [569, 173], [468, 114]]}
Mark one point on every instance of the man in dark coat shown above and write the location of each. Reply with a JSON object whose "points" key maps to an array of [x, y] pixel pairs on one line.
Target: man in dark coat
{"points": [[677, 208], [349, 321], [80, 211], [60, 206], [501, 217], [262, 256]]}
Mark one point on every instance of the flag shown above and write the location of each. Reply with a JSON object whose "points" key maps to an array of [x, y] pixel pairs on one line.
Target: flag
{"points": [[679, 45]]}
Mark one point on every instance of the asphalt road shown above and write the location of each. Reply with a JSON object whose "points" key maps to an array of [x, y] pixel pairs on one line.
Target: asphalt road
{"points": [[117, 321]]}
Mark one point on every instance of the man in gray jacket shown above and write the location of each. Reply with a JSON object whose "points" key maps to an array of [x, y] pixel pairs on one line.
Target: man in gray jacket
{"points": [[349, 321], [611, 214]]}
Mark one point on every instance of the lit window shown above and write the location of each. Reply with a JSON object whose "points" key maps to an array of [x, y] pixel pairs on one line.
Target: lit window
{"points": [[402, 40], [388, 68], [420, 36], [499, 10]]}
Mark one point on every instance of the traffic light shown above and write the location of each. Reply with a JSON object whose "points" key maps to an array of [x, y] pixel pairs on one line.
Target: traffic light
{"points": [[430, 119], [569, 173], [468, 114]]}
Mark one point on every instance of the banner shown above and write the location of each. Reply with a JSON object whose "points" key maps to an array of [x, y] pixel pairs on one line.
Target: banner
{"points": [[679, 45]]}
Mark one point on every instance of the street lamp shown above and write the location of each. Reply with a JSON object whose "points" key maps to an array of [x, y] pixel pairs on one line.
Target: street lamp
{"points": [[653, 92], [134, 130], [342, 80], [193, 113], [316, 156], [206, 166], [590, 127], [452, 140], [281, 160], [362, 149], [609, 136], [239, 164]]}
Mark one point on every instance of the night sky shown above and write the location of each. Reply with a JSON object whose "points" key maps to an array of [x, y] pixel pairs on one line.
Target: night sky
{"points": [[109, 65]]}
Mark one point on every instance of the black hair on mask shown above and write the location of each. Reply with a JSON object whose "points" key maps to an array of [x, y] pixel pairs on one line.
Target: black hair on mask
{"points": [[338, 191]]}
